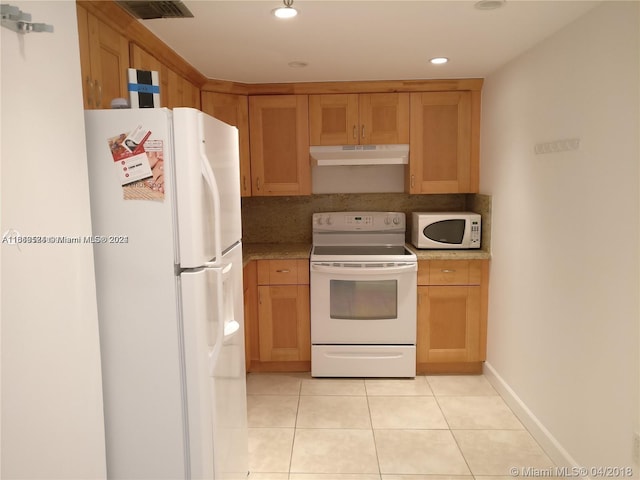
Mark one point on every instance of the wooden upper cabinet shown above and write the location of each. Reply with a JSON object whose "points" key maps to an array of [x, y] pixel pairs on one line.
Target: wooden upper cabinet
{"points": [[279, 145], [443, 149], [182, 93], [104, 60], [234, 110], [359, 119]]}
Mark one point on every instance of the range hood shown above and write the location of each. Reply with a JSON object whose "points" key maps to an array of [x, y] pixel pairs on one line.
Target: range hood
{"points": [[360, 155]]}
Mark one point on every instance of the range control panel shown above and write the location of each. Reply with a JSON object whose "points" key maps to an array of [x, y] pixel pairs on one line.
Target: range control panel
{"points": [[359, 221]]}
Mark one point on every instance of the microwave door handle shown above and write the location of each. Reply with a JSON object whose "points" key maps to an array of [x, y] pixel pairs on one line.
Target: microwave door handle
{"points": [[363, 270]]}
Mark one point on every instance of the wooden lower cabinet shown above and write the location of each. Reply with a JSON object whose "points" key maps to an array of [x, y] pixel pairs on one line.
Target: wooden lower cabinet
{"points": [[250, 297], [283, 319], [452, 316], [279, 335]]}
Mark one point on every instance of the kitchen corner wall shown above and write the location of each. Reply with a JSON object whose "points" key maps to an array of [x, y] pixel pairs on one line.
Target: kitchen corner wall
{"points": [[563, 332], [52, 412], [288, 219]]}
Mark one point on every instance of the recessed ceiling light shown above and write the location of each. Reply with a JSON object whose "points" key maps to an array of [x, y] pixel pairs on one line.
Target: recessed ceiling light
{"points": [[439, 60], [287, 11], [489, 4], [297, 64]]}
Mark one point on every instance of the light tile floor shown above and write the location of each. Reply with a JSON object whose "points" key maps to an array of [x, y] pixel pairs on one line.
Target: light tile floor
{"points": [[430, 427]]}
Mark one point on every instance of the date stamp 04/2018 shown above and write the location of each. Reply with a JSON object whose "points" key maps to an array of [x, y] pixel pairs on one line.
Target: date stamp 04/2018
{"points": [[572, 472]]}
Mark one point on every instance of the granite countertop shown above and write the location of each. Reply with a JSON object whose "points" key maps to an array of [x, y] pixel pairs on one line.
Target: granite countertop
{"points": [[274, 251], [473, 254]]}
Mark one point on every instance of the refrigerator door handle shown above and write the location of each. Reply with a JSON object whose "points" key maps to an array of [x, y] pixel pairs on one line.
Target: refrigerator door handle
{"points": [[221, 275], [210, 180]]}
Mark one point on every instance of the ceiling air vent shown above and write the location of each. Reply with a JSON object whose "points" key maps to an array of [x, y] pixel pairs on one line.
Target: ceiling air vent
{"points": [[156, 9]]}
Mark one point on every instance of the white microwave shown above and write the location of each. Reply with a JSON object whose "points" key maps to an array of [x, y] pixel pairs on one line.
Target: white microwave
{"points": [[446, 230]]}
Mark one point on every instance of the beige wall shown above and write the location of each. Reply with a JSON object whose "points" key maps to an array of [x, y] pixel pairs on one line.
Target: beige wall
{"points": [[52, 421], [563, 338]]}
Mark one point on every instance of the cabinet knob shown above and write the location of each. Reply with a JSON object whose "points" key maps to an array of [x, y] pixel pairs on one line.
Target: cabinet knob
{"points": [[283, 271], [99, 99], [355, 133], [362, 132], [89, 92], [447, 270]]}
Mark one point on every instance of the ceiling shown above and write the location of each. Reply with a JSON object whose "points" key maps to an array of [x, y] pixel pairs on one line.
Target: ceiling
{"points": [[343, 40]]}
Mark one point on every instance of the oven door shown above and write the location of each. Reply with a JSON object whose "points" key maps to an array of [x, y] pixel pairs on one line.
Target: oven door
{"points": [[363, 303]]}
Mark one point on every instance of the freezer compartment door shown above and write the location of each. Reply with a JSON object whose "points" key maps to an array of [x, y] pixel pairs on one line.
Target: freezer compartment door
{"points": [[215, 370], [208, 186]]}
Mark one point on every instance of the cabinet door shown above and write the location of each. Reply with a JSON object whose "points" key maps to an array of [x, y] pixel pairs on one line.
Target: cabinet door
{"points": [[182, 93], [250, 295], [449, 324], [108, 56], [279, 138], [284, 324], [333, 119], [384, 118], [441, 144], [359, 119], [85, 57], [234, 110]]}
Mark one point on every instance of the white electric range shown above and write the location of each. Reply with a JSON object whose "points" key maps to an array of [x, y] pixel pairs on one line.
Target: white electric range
{"points": [[363, 296]]}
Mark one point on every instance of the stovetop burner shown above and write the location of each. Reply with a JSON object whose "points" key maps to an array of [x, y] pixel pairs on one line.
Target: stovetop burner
{"points": [[360, 236]]}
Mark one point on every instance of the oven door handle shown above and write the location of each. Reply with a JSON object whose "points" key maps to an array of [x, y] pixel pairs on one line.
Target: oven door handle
{"points": [[410, 267]]}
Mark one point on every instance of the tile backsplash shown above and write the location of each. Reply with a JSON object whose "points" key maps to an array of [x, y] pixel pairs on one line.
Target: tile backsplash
{"points": [[288, 219]]}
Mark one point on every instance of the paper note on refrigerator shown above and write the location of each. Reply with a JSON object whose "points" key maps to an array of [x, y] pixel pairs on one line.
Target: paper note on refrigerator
{"points": [[129, 156]]}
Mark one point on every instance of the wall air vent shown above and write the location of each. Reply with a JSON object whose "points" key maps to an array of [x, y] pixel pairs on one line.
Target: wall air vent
{"points": [[147, 10]]}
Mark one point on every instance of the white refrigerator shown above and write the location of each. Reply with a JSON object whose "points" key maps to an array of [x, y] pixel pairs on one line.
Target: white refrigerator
{"points": [[165, 211]]}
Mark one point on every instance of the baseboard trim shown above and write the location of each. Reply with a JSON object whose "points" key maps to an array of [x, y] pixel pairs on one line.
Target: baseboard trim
{"points": [[547, 441]]}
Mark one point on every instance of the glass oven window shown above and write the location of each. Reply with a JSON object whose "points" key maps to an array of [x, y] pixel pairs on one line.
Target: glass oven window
{"points": [[446, 231], [364, 299]]}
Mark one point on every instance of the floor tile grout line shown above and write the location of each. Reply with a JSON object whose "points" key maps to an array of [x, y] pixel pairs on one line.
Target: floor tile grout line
{"points": [[373, 432], [455, 439], [295, 429]]}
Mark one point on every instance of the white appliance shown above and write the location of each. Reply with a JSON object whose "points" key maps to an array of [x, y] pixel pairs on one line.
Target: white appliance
{"points": [[363, 296], [360, 155], [444, 230], [168, 260]]}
